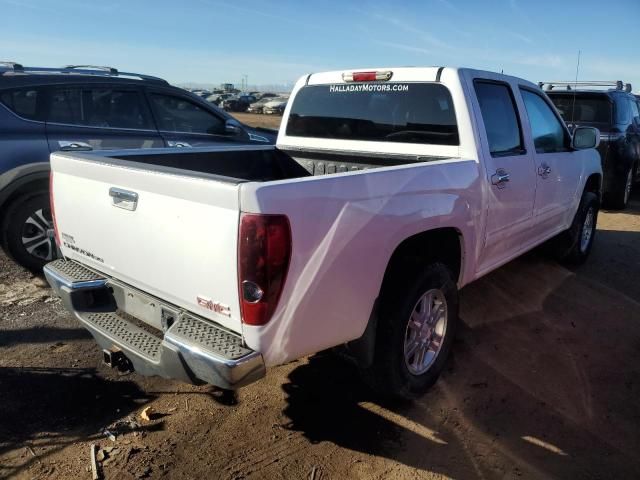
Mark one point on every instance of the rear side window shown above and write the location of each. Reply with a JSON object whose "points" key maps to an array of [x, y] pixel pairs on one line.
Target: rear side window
{"points": [[66, 107], [500, 118], [622, 110], [381, 112], [548, 133], [583, 108], [22, 102], [175, 114], [99, 107]]}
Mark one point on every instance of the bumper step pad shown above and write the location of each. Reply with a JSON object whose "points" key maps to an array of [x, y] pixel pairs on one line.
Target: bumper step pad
{"points": [[73, 274], [209, 337], [127, 334]]}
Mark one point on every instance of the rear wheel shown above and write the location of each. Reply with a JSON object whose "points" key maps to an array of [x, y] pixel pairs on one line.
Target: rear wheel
{"points": [[29, 234], [417, 323]]}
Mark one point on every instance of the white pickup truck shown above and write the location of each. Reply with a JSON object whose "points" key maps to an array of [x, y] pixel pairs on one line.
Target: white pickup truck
{"points": [[388, 190]]}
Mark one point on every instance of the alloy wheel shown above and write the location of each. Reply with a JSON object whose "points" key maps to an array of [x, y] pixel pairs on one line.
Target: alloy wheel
{"points": [[37, 234], [587, 230], [425, 332]]}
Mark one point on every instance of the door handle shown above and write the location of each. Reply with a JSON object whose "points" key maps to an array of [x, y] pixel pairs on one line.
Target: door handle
{"points": [[74, 146], [500, 178], [544, 170], [123, 198], [176, 144]]}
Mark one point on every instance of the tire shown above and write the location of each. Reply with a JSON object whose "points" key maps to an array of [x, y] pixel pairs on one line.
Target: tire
{"points": [[396, 372], [618, 198], [28, 230], [574, 245]]}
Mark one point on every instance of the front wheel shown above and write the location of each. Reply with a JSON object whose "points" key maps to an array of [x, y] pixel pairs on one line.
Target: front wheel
{"points": [[574, 245], [29, 234], [417, 323]]}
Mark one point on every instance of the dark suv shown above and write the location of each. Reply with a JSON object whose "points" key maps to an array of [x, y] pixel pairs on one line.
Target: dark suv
{"points": [[43, 110], [239, 104], [616, 113]]}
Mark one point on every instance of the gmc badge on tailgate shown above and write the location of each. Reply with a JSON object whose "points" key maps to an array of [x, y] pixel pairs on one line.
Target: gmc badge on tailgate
{"points": [[214, 306]]}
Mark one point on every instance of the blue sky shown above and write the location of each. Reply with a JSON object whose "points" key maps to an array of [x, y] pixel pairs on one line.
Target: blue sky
{"points": [[210, 41]]}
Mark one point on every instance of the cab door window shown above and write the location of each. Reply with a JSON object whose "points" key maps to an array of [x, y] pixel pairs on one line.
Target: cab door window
{"points": [[548, 132], [179, 115], [500, 118]]}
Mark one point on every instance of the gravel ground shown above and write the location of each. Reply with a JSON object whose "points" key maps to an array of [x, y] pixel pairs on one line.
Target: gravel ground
{"points": [[543, 383]]}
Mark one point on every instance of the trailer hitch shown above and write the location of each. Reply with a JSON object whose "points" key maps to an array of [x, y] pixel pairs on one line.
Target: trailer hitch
{"points": [[114, 358]]}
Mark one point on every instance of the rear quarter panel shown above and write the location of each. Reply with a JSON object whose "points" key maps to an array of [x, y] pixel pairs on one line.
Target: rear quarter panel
{"points": [[23, 144], [345, 228]]}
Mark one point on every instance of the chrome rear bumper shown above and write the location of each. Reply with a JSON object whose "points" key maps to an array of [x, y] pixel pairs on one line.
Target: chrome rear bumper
{"points": [[187, 347]]}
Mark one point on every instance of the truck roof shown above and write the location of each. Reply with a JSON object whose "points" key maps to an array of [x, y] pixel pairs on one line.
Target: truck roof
{"points": [[410, 74]]}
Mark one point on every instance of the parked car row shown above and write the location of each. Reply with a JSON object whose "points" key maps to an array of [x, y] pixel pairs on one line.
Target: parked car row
{"points": [[268, 103], [85, 108], [251, 102]]}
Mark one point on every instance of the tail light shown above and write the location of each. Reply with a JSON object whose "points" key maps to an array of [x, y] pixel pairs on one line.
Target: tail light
{"points": [[53, 211], [264, 252]]}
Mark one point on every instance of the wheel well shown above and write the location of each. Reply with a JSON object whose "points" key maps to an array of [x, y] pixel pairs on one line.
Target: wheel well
{"points": [[31, 187], [439, 245], [442, 245], [594, 184]]}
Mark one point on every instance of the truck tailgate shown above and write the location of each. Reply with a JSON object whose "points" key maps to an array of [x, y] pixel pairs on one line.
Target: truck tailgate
{"points": [[170, 235]]}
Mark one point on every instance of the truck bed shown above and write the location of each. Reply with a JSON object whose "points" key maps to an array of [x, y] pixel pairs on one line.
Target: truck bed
{"points": [[167, 224], [255, 164]]}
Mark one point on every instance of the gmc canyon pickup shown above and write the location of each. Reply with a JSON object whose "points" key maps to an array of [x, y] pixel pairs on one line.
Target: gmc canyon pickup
{"points": [[387, 191]]}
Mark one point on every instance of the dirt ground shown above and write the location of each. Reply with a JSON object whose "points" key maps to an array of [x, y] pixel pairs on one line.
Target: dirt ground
{"points": [[257, 120], [544, 382]]}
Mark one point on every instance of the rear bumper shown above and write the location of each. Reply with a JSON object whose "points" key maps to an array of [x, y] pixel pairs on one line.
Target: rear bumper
{"points": [[188, 348]]}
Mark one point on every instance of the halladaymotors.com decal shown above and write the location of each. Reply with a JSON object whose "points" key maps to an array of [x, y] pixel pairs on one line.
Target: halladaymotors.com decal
{"points": [[370, 87]]}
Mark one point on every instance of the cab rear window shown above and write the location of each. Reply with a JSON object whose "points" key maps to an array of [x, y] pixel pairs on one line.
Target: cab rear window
{"points": [[22, 102], [382, 112]]}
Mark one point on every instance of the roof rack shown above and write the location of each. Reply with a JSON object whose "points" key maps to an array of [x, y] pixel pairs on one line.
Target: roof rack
{"points": [[78, 70], [111, 70], [617, 84]]}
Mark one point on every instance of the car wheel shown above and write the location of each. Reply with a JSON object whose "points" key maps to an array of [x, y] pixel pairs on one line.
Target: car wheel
{"points": [[29, 231], [619, 197], [574, 245], [416, 326]]}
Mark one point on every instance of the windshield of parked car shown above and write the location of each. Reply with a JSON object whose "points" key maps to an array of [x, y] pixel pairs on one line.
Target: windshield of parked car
{"points": [[387, 112], [589, 108]]}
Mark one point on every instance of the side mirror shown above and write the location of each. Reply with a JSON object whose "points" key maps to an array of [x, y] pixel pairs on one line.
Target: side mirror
{"points": [[585, 137], [232, 127]]}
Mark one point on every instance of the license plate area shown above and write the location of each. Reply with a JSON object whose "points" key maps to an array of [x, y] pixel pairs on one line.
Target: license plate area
{"points": [[144, 307]]}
